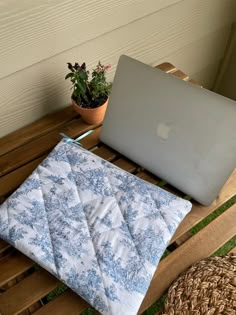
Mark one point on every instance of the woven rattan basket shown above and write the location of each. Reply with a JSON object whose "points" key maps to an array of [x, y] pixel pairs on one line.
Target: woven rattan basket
{"points": [[208, 287]]}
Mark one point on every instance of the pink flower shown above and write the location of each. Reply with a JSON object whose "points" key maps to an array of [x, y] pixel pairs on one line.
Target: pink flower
{"points": [[99, 69], [107, 67]]}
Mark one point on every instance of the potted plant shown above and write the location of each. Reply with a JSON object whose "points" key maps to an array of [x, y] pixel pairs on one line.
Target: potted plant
{"points": [[90, 96]]}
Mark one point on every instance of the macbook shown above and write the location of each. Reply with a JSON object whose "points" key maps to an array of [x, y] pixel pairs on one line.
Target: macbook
{"points": [[184, 134]]}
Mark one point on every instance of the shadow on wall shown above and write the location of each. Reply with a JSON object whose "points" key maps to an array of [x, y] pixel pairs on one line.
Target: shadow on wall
{"points": [[225, 83], [54, 93]]}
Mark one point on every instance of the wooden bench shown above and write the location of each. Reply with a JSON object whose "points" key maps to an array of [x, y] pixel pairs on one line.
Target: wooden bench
{"points": [[23, 286]]}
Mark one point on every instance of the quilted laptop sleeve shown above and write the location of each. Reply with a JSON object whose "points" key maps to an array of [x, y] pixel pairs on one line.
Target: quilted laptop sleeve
{"points": [[97, 228]]}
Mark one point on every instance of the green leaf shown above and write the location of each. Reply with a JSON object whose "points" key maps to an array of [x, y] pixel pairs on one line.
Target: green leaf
{"points": [[81, 87], [69, 75]]}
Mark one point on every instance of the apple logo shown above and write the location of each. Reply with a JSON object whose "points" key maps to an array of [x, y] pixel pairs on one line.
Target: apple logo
{"points": [[163, 131]]}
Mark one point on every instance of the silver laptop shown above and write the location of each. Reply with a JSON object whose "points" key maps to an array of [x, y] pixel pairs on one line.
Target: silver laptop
{"points": [[182, 133]]}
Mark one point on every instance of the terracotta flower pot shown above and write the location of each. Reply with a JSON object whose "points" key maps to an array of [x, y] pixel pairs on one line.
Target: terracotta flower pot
{"points": [[91, 116]]}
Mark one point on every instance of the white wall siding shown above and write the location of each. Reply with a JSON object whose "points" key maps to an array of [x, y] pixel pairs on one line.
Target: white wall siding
{"points": [[31, 31]]}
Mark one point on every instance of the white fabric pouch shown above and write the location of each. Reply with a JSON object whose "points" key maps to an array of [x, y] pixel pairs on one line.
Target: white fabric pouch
{"points": [[97, 228]]}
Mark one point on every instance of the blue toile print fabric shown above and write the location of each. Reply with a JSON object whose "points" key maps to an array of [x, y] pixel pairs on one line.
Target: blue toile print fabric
{"points": [[97, 228]]}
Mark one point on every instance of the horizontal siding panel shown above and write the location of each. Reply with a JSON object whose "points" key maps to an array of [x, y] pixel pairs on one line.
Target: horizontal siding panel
{"points": [[36, 30], [208, 75], [41, 89], [194, 57], [31, 31]]}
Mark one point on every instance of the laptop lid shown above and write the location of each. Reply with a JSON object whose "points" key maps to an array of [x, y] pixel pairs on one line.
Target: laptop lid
{"points": [[184, 134]]}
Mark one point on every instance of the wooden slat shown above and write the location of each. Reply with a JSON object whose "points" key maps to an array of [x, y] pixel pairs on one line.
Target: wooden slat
{"points": [[91, 140], [148, 177], [233, 250], [37, 129], [195, 83], [68, 303], [9, 284], [28, 291], [35, 307], [173, 190], [183, 238], [40, 146], [201, 245], [198, 212], [126, 165], [166, 67], [12, 180], [3, 246], [181, 75], [105, 153], [13, 265]]}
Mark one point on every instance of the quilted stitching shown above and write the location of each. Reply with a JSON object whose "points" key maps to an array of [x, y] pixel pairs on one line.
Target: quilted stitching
{"points": [[134, 245], [106, 229], [107, 302], [48, 228], [125, 221], [94, 246]]}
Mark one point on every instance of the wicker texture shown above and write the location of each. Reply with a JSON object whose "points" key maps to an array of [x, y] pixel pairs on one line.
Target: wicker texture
{"points": [[208, 287]]}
